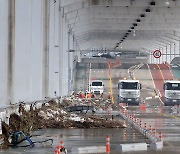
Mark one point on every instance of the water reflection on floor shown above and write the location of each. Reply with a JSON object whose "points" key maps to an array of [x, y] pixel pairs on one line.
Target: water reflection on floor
{"points": [[97, 137], [80, 137], [84, 137]]}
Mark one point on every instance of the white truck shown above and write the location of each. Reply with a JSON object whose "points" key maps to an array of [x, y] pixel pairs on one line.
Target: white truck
{"points": [[97, 87], [129, 92], [172, 92]]}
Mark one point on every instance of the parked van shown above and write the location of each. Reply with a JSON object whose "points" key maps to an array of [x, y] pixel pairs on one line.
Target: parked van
{"points": [[97, 87]]}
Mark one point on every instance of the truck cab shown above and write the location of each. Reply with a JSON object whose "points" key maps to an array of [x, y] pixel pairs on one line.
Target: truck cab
{"points": [[129, 92], [172, 92], [97, 87]]}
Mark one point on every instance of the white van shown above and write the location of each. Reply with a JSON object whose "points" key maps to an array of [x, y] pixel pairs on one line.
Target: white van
{"points": [[97, 87]]}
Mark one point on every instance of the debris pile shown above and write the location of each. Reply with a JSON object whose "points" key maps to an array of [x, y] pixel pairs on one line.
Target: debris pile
{"points": [[56, 115]]}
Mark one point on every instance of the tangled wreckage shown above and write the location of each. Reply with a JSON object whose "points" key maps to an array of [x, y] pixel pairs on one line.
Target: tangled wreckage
{"points": [[67, 113]]}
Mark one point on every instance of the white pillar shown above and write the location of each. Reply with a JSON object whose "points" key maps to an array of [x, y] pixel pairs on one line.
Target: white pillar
{"points": [[36, 38], [54, 50], [45, 73], [64, 57], [61, 16]]}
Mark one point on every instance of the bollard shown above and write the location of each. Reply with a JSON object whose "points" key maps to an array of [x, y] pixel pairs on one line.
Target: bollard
{"points": [[134, 118], [145, 125], [140, 123], [154, 131], [137, 121], [108, 144], [160, 136], [150, 129]]}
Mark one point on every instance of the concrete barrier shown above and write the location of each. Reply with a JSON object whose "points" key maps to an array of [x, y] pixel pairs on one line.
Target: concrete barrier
{"points": [[131, 147], [149, 133], [156, 145], [88, 149]]}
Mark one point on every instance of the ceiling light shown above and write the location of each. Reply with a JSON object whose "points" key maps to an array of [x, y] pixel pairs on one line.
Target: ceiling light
{"points": [[138, 20], [152, 3], [167, 3], [135, 24], [132, 27], [134, 33], [142, 15], [129, 31], [121, 45], [148, 10]]}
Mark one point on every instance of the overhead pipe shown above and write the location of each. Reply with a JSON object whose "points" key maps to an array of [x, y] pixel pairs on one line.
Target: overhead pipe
{"points": [[152, 3]]}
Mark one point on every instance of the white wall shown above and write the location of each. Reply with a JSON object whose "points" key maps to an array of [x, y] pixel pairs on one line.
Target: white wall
{"points": [[30, 61], [3, 52], [36, 52], [23, 33]]}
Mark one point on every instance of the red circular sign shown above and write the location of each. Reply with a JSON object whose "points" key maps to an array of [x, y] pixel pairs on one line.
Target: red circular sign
{"points": [[157, 54]]}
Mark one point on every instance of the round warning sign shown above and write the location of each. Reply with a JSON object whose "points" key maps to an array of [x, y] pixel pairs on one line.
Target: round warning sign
{"points": [[157, 54]]}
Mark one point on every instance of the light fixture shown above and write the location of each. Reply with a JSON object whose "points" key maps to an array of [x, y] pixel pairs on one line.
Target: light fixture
{"points": [[129, 31], [138, 20], [132, 27], [167, 3], [152, 3], [134, 33], [148, 10], [121, 45], [142, 15], [134, 24]]}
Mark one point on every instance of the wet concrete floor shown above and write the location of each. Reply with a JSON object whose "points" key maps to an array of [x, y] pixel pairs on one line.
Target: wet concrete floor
{"points": [[80, 138], [86, 137]]}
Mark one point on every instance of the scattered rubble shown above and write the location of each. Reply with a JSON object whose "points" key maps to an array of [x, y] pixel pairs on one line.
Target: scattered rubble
{"points": [[55, 115]]}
